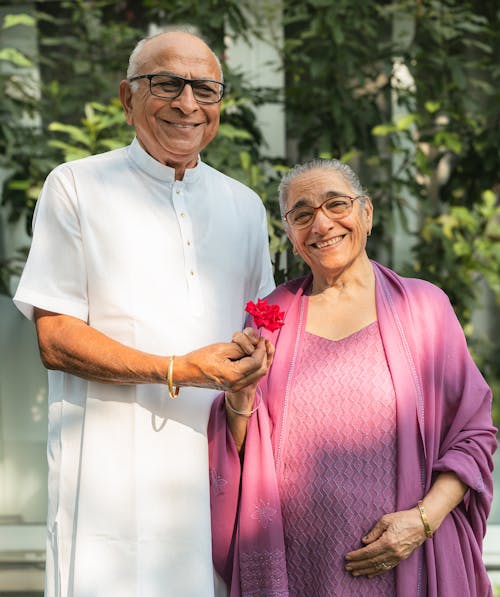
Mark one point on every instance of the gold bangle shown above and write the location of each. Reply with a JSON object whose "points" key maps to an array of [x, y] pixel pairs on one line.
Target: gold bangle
{"points": [[425, 520], [173, 394], [244, 413]]}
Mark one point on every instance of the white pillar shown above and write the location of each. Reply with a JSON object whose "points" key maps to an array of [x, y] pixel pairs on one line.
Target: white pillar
{"points": [[402, 82], [260, 61]]}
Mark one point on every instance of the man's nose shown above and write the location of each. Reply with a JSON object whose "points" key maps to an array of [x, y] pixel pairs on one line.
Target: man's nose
{"points": [[185, 101]]}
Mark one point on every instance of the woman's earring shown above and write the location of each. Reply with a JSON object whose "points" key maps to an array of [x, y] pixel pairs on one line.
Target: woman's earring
{"points": [[294, 250]]}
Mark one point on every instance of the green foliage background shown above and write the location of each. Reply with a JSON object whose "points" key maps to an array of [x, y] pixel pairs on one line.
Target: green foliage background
{"points": [[435, 141]]}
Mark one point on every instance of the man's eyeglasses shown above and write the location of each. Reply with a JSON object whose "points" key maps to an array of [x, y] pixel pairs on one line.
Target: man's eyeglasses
{"points": [[167, 86], [335, 208]]}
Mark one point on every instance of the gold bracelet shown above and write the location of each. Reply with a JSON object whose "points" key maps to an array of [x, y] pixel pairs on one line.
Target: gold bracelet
{"points": [[425, 520], [173, 394], [244, 413]]}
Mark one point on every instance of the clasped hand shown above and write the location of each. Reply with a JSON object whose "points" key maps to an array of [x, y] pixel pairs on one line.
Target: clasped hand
{"points": [[394, 538], [232, 365]]}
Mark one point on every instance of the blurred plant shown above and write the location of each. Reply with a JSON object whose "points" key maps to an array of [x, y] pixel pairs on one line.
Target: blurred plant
{"points": [[342, 100], [102, 128]]}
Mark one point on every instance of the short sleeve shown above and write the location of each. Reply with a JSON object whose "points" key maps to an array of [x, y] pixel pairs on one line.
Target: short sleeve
{"points": [[266, 284], [54, 277]]}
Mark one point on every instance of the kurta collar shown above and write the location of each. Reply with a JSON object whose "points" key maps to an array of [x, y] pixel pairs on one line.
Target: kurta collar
{"points": [[158, 170]]}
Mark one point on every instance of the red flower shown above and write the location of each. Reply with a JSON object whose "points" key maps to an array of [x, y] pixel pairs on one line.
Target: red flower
{"points": [[266, 316]]}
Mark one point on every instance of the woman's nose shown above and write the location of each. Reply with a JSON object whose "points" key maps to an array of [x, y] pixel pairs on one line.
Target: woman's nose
{"points": [[322, 222]]}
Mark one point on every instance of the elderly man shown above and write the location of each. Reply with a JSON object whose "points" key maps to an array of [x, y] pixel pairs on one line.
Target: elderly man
{"points": [[138, 255]]}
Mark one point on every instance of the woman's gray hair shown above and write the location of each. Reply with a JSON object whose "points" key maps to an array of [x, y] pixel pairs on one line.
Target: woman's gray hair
{"points": [[133, 62], [317, 164]]}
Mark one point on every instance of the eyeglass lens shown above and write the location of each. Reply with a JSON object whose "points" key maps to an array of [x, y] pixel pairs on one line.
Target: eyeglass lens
{"points": [[170, 86], [334, 208]]}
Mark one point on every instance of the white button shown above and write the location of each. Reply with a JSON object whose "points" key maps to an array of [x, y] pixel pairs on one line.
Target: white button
{"points": [[177, 191], [189, 243], [191, 272], [182, 214]]}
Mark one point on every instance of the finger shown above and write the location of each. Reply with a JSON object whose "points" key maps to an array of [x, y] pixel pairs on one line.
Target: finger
{"points": [[370, 568], [255, 361], [377, 531], [270, 352], [365, 553], [252, 335], [244, 342], [232, 351], [250, 369]]}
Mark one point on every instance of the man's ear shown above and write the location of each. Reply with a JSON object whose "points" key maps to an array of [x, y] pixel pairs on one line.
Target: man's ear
{"points": [[126, 101]]}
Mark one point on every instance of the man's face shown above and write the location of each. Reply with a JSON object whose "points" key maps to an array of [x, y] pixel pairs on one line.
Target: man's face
{"points": [[173, 131]]}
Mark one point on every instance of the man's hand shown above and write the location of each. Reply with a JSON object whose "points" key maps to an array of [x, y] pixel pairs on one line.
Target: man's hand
{"points": [[69, 344], [225, 366]]}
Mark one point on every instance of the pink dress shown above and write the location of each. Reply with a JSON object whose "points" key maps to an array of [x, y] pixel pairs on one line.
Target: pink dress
{"points": [[339, 456], [443, 419]]}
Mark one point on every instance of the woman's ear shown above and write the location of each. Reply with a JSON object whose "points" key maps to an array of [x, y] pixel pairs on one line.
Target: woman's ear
{"points": [[290, 238], [368, 214]]}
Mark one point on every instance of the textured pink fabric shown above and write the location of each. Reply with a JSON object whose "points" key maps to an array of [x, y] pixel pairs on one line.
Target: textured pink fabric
{"points": [[443, 418], [339, 457]]}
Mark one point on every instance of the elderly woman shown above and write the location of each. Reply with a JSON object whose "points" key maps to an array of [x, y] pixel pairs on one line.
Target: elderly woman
{"points": [[362, 463]]}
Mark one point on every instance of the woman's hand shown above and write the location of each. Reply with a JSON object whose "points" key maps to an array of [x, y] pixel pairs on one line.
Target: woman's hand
{"points": [[396, 536], [392, 539], [240, 404]]}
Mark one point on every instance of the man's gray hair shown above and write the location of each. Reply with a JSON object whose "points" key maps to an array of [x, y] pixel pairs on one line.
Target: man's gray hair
{"points": [[133, 62], [317, 164]]}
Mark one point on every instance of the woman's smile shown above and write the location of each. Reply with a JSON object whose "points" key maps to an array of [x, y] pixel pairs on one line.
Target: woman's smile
{"points": [[328, 243]]}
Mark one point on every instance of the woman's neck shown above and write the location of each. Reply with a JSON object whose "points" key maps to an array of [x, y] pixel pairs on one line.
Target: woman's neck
{"points": [[358, 276]]}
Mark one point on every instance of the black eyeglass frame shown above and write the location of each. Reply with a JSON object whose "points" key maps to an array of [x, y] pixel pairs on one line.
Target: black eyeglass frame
{"points": [[320, 206], [184, 80]]}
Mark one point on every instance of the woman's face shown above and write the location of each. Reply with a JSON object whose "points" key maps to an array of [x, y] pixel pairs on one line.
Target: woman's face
{"points": [[329, 247]]}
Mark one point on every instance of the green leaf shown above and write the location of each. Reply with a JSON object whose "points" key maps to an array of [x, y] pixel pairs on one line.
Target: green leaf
{"points": [[432, 106], [245, 160], [231, 132], [70, 152], [404, 122], [382, 130], [13, 20], [15, 57], [74, 132]]}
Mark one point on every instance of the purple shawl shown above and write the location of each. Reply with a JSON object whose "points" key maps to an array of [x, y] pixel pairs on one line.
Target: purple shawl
{"points": [[443, 423]]}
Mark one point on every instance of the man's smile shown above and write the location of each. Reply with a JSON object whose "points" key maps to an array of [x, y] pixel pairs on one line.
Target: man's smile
{"points": [[183, 125]]}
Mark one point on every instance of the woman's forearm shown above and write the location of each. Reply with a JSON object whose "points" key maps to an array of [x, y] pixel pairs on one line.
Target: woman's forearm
{"points": [[445, 494], [239, 408]]}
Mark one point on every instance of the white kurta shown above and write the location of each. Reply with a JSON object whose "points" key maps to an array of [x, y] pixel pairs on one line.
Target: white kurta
{"points": [[164, 266]]}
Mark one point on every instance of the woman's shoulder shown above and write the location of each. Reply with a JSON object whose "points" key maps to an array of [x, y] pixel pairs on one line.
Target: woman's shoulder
{"points": [[288, 290], [413, 288]]}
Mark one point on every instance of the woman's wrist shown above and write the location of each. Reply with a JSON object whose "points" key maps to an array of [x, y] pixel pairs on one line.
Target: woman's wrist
{"points": [[445, 494], [428, 530], [244, 402], [243, 408]]}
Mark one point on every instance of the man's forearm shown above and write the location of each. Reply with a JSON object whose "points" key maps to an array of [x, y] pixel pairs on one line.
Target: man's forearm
{"points": [[69, 344]]}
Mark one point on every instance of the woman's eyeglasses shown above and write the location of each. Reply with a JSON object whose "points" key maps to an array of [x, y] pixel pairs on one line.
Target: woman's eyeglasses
{"points": [[334, 208]]}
